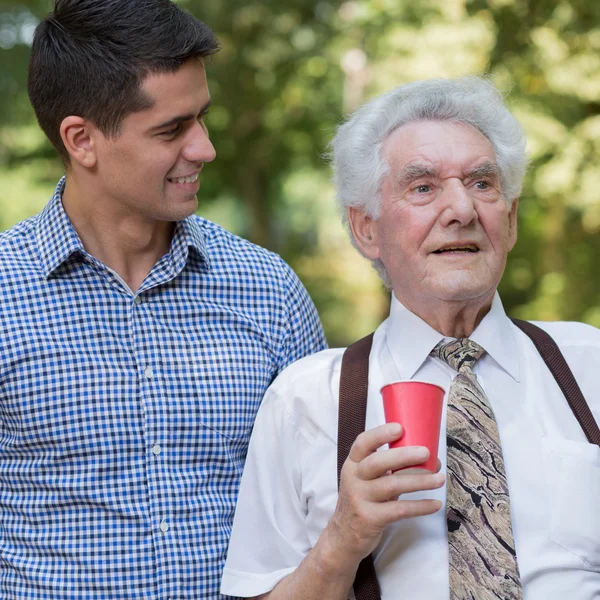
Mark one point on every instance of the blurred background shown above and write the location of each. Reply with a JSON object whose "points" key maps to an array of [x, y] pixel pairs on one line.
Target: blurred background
{"points": [[289, 72]]}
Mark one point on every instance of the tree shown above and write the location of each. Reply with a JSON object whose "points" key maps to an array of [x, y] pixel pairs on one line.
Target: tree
{"points": [[287, 75]]}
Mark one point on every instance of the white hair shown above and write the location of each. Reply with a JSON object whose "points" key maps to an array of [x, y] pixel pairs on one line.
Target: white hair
{"points": [[357, 161]]}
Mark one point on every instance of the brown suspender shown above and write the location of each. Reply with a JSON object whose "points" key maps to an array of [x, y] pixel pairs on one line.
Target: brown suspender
{"points": [[559, 368], [354, 383]]}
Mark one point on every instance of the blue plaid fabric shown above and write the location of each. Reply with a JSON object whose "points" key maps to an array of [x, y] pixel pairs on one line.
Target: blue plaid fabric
{"points": [[125, 418]]}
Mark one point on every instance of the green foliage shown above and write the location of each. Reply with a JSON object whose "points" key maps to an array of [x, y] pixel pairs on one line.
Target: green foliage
{"points": [[287, 74]]}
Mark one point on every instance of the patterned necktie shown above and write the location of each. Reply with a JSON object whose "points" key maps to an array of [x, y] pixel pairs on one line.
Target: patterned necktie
{"points": [[483, 562]]}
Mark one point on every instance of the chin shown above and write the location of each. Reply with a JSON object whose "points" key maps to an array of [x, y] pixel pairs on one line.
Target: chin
{"points": [[184, 209], [457, 291], [464, 296]]}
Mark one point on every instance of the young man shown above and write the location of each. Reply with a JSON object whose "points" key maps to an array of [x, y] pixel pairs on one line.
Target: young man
{"points": [[136, 339]]}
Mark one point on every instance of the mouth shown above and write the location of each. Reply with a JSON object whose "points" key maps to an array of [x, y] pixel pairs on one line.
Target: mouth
{"points": [[182, 180], [457, 248]]}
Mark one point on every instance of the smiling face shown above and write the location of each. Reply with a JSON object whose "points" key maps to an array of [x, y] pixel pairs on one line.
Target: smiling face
{"points": [[152, 169], [444, 229]]}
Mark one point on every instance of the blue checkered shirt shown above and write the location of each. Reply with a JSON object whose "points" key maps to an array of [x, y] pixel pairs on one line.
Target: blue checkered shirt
{"points": [[125, 418]]}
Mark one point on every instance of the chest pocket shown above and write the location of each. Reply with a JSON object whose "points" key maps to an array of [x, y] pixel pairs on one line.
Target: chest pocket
{"points": [[574, 472], [224, 385]]}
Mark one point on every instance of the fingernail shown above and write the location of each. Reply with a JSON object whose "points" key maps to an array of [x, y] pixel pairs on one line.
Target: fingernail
{"points": [[395, 428]]}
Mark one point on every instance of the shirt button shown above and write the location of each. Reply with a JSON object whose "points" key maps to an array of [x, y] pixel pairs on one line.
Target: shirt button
{"points": [[164, 526], [156, 449], [148, 372], [137, 300]]}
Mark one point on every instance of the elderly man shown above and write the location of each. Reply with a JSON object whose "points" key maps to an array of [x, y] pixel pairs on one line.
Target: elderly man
{"points": [[429, 177]]}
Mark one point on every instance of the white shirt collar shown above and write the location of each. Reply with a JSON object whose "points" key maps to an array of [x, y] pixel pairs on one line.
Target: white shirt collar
{"points": [[410, 339]]}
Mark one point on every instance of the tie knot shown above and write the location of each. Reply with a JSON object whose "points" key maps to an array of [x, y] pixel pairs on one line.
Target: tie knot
{"points": [[461, 354]]}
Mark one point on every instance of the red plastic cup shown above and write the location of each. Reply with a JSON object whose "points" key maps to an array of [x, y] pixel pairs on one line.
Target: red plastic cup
{"points": [[417, 406]]}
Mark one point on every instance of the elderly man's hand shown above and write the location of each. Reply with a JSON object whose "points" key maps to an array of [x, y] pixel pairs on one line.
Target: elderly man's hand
{"points": [[369, 491]]}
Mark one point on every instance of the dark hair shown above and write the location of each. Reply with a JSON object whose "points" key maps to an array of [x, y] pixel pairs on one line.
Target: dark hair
{"points": [[90, 57]]}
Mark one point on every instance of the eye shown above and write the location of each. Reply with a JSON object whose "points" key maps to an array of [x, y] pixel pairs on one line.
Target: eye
{"points": [[171, 132], [423, 189], [482, 185], [202, 120]]}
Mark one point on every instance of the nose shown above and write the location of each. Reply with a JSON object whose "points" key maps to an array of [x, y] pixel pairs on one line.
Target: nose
{"points": [[198, 147], [458, 205]]}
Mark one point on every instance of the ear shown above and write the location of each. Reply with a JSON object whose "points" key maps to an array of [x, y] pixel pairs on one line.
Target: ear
{"points": [[76, 134], [364, 232], [512, 224]]}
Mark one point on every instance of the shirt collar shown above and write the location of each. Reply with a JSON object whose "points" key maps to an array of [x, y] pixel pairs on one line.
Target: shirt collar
{"points": [[496, 334], [57, 239], [410, 339], [192, 236]]}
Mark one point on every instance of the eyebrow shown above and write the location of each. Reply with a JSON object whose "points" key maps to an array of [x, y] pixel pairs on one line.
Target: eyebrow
{"points": [[181, 118], [412, 172], [487, 169]]}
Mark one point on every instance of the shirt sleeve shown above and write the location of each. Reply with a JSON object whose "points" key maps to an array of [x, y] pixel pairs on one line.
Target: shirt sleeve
{"points": [[269, 538], [304, 335]]}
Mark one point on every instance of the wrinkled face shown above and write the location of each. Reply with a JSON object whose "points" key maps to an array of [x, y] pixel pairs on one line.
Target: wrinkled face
{"points": [[152, 169], [445, 229]]}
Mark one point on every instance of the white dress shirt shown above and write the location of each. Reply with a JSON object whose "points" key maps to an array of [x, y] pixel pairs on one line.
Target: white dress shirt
{"points": [[288, 491]]}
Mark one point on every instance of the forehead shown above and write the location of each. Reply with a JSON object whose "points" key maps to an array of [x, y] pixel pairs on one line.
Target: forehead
{"points": [[444, 145], [184, 91]]}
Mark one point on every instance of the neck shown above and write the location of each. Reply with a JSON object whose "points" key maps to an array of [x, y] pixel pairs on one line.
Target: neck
{"points": [[457, 319], [120, 239]]}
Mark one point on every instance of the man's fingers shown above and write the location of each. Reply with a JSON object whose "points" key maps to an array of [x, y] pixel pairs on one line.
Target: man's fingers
{"points": [[379, 463], [368, 441], [388, 488], [396, 510]]}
